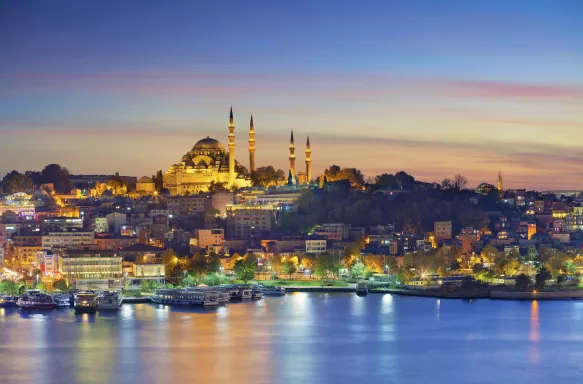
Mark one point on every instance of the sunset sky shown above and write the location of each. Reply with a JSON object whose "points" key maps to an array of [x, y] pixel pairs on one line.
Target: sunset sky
{"points": [[430, 87]]}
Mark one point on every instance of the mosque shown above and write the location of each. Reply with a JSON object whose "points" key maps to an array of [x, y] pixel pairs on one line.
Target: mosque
{"points": [[208, 162]]}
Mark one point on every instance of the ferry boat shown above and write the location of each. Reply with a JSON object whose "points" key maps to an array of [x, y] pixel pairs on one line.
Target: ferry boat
{"points": [[271, 290], [7, 301], [35, 299], [86, 302], [243, 293], [62, 301], [109, 300], [256, 293], [191, 296], [361, 289]]}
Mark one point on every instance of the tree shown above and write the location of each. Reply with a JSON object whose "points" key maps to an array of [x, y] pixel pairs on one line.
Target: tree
{"points": [[58, 176], [290, 266], [522, 282], [490, 254], [188, 281], [16, 182], [170, 260], [9, 287], [41, 286], [245, 268], [214, 279], [268, 176], [213, 263], [61, 285], [455, 265], [541, 277], [326, 265], [358, 270], [198, 265], [308, 263], [375, 263], [145, 287]]}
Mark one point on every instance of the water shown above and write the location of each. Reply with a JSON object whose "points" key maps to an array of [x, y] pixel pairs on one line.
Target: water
{"points": [[301, 338]]}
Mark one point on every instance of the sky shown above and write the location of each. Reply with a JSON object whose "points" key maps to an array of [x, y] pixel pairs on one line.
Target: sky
{"points": [[433, 88]]}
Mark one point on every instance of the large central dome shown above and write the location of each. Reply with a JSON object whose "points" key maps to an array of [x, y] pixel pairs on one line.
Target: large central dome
{"points": [[208, 144]]}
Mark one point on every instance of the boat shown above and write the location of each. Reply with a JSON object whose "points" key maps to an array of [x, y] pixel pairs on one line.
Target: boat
{"points": [[243, 293], [62, 300], [109, 300], [256, 293], [85, 302], [189, 296], [35, 299], [361, 289], [7, 301], [271, 290]]}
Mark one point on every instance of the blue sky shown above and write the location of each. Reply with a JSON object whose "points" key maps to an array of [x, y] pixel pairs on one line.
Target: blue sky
{"points": [[429, 87]]}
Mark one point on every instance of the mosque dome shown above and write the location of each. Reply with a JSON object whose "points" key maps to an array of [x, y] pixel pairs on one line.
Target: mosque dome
{"points": [[208, 144], [485, 188], [145, 179]]}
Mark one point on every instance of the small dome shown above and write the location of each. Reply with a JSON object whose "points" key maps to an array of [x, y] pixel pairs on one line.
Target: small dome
{"points": [[208, 144], [145, 179], [107, 193], [39, 193]]}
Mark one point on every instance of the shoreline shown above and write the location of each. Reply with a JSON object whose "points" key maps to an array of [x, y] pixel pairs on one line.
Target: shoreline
{"points": [[490, 294]]}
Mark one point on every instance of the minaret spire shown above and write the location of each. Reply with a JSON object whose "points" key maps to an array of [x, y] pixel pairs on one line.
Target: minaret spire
{"points": [[251, 146], [308, 162], [292, 156], [231, 149], [500, 185]]}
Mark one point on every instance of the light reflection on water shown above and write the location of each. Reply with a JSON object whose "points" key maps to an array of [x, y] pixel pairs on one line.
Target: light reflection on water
{"points": [[300, 338]]}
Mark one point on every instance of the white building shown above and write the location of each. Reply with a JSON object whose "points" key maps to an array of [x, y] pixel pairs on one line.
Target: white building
{"points": [[67, 239], [315, 245], [100, 224]]}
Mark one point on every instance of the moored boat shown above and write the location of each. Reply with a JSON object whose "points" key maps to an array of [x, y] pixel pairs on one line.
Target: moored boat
{"points": [[271, 290], [86, 302], [62, 301], [361, 289], [35, 299], [7, 301], [109, 300], [189, 296]]}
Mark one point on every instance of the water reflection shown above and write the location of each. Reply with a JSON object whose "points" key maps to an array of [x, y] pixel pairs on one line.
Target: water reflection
{"points": [[534, 335], [301, 338]]}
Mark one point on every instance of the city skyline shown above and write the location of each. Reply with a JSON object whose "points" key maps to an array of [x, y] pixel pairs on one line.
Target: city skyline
{"points": [[430, 90]]}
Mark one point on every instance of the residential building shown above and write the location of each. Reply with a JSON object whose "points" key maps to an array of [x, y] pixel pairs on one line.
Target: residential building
{"points": [[442, 230], [315, 245], [208, 237], [63, 223], [100, 224], [115, 221], [25, 256], [67, 239], [188, 205], [247, 221], [113, 242], [332, 231]]}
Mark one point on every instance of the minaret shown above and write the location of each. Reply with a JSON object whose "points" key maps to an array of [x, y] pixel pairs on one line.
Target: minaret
{"points": [[500, 185], [292, 156], [308, 162], [251, 146], [231, 149]]}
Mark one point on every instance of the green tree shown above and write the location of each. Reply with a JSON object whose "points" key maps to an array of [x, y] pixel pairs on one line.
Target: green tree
{"points": [[358, 270], [61, 285], [522, 282], [245, 268], [9, 287], [455, 265], [308, 263], [189, 281], [326, 265], [16, 182], [145, 287], [213, 263], [214, 279], [198, 265], [41, 286], [290, 266]]}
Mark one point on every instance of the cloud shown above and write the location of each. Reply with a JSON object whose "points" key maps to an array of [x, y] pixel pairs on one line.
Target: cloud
{"points": [[488, 89]]}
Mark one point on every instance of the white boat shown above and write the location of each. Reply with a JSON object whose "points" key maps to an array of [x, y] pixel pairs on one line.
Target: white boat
{"points": [[190, 296], [109, 300], [257, 293], [62, 300], [86, 302]]}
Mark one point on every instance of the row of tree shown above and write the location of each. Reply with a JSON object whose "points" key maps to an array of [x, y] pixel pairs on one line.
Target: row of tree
{"points": [[55, 174]]}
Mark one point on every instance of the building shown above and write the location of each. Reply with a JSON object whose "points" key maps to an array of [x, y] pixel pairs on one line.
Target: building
{"points": [[208, 237], [188, 205], [67, 239], [115, 221], [245, 221], [63, 223], [141, 252], [145, 185], [27, 240], [114, 242], [333, 231], [25, 256], [79, 264], [442, 230], [315, 245], [100, 224], [206, 164]]}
